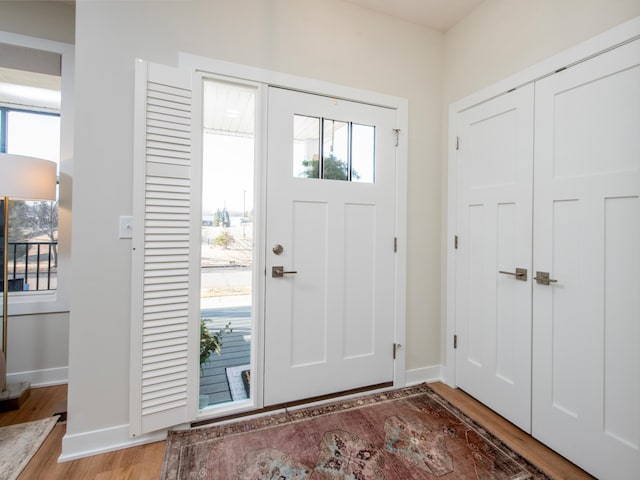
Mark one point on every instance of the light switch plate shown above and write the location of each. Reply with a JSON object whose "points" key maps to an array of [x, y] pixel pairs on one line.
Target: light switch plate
{"points": [[126, 226]]}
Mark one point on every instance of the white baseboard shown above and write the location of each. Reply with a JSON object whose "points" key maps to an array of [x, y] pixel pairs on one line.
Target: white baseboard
{"points": [[102, 441], [424, 374], [41, 378]]}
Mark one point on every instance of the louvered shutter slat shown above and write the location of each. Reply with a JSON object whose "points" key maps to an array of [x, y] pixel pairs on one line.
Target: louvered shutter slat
{"points": [[162, 366], [156, 89], [171, 383], [174, 284], [176, 134], [160, 375], [157, 405], [151, 383], [177, 348], [160, 323]]}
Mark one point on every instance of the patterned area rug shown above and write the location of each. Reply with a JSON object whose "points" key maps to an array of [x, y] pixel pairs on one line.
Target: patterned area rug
{"points": [[411, 433], [18, 443]]}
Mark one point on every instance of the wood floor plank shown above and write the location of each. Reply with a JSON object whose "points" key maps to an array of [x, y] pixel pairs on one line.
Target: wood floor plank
{"points": [[144, 462], [546, 459]]}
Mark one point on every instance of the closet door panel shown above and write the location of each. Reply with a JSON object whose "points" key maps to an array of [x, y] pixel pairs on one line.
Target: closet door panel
{"points": [[586, 322], [493, 309]]}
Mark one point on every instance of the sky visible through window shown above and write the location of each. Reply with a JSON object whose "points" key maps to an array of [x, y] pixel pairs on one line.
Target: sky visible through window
{"points": [[33, 135], [227, 173]]}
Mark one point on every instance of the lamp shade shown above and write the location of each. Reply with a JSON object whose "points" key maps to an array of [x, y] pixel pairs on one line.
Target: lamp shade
{"points": [[27, 178]]}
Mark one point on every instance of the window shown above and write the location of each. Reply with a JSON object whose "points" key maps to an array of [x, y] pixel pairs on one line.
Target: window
{"points": [[227, 242], [30, 126], [347, 150]]}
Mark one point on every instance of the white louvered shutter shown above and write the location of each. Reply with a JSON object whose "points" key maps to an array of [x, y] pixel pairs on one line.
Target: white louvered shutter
{"points": [[162, 365]]}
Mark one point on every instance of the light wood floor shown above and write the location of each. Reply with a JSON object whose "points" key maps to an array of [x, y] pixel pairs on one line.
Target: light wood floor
{"points": [[141, 463]]}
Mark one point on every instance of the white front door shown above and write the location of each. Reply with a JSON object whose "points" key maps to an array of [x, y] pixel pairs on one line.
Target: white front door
{"points": [[493, 261], [329, 309], [586, 321]]}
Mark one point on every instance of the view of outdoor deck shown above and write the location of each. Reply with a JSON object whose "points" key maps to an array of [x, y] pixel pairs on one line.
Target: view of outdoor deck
{"points": [[217, 376], [226, 300]]}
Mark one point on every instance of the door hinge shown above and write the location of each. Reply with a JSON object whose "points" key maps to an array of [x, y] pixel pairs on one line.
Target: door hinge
{"points": [[455, 341], [396, 131], [455, 242], [396, 347], [395, 244], [457, 143]]}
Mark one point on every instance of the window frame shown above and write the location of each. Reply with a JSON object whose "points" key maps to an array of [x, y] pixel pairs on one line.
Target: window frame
{"points": [[53, 301], [4, 145]]}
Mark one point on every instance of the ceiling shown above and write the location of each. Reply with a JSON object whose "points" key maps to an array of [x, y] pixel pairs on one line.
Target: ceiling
{"points": [[29, 90], [437, 14]]}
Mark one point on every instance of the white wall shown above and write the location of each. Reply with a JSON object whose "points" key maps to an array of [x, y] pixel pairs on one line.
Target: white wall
{"points": [[503, 37], [328, 40], [42, 19], [38, 345], [38, 348]]}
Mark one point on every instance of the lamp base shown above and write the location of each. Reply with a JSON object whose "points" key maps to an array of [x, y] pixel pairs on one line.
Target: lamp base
{"points": [[14, 396]]}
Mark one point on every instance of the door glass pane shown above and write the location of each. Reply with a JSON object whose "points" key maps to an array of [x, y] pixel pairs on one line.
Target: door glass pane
{"points": [[335, 150], [227, 243], [306, 146], [363, 143]]}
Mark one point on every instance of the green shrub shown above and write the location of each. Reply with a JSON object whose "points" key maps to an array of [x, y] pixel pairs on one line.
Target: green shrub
{"points": [[210, 342], [224, 239]]}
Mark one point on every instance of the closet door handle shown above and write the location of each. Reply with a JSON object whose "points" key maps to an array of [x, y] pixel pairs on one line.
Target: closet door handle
{"points": [[520, 274], [542, 278]]}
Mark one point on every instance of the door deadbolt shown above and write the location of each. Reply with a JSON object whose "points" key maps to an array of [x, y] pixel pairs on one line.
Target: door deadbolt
{"points": [[277, 249]]}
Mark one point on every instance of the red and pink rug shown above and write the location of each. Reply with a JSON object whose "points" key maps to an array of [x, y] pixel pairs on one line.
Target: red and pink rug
{"points": [[405, 434]]}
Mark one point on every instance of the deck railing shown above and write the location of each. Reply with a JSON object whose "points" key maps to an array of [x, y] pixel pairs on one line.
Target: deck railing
{"points": [[32, 266]]}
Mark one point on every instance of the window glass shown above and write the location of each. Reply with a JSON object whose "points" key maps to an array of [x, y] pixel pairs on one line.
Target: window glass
{"points": [[34, 135], [33, 226], [347, 150], [335, 150], [306, 146], [226, 250], [363, 153]]}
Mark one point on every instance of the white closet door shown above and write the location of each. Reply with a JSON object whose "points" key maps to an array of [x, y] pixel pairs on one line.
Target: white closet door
{"points": [[586, 322], [164, 369], [493, 309]]}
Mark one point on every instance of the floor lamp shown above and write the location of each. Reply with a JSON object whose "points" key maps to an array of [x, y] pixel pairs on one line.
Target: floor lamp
{"points": [[21, 178]]}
